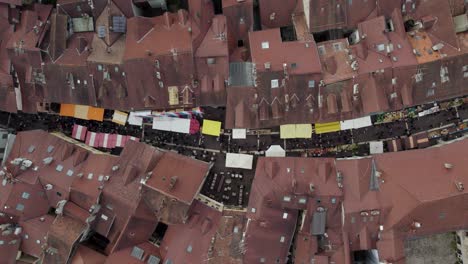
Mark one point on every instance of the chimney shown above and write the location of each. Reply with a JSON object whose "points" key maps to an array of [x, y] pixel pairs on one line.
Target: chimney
{"points": [[182, 17], [167, 20]]}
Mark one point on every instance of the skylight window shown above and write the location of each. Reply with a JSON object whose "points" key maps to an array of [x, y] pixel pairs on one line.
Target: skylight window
{"points": [[265, 45], [275, 83]]}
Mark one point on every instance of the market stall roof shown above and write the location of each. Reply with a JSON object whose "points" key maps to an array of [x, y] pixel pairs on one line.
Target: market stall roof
{"points": [[120, 118], [322, 128], [211, 128], [136, 118], [376, 147], [240, 161], [82, 112], [179, 125], [356, 123], [296, 131], [239, 133], [79, 132], [275, 151], [288, 131]]}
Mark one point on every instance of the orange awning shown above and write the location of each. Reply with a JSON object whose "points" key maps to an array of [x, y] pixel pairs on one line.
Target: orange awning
{"points": [[67, 110], [96, 113]]}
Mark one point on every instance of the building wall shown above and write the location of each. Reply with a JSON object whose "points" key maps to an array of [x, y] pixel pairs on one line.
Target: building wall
{"points": [[462, 245]]}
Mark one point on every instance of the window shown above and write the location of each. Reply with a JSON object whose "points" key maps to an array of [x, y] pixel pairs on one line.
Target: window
{"points": [[285, 215], [19, 207], [31, 148], [275, 83], [59, 194], [158, 75], [240, 43], [211, 61], [156, 63], [282, 239], [311, 84], [59, 168], [99, 67], [189, 249], [161, 84], [430, 92], [90, 176], [293, 65], [25, 195], [116, 69], [69, 173], [265, 45], [302, 200], [337, 46], [50, 149], [287, 198], [380, 47], [321, 50], [418, 77], [253, 210], [333, 200], [262, 260]]}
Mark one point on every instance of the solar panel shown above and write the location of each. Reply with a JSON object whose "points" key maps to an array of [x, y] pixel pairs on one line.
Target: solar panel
{"points": [[119, 24], [137, 253], [101, 30]]}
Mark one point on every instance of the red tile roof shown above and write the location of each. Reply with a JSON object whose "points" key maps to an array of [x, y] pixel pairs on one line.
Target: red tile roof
{"points": [[180, 182]]}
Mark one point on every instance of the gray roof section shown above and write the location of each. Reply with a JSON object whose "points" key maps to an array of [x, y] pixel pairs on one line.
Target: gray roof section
{"points": [[319, 221], [241, 74]]}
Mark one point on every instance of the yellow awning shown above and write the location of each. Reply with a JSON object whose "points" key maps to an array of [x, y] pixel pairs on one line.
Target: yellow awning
{"points": [[287, 131], [81, 112], [212, 128], [119, 117], [303, 131], [327, 127]]}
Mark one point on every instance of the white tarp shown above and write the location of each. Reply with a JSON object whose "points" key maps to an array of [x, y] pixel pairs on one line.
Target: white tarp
{"points": [[429, 111], [356, 123], [179, 125], [376, 147], [275, 151], [239, 133], [241, 161]]}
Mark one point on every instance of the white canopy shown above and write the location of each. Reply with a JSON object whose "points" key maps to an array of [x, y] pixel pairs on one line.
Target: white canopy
{"points": [[275, 151], [239, 133], [179, 125], [241, 161], [356, 123], [376, 147], [136, 118]]}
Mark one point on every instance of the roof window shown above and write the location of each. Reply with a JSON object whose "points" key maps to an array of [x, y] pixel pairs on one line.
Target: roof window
{"points": [[265, 45]]}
